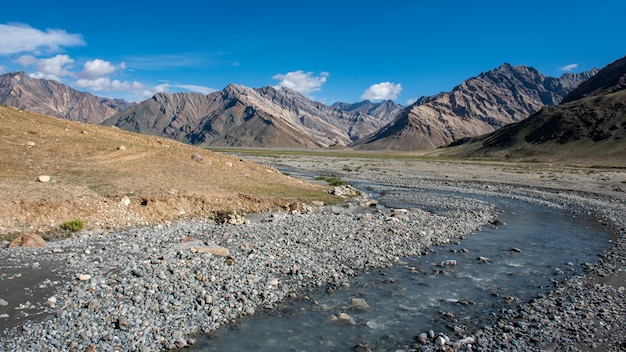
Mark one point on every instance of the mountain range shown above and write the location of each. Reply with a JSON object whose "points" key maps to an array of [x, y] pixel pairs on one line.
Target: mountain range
{"points": [[589, 125], [52, 98], [477, 106], [240, 116], [263, 117]]}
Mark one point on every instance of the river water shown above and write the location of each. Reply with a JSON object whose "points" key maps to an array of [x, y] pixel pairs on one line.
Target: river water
{"points": [[497, 267]]}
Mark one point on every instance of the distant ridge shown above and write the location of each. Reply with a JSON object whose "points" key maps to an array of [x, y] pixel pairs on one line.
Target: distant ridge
{"points": [[589, 126], [245, 117], [477, 106], [52, 98]]}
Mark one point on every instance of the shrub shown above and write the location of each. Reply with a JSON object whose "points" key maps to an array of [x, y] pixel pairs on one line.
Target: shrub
{"points": [[336, 181], [73, 225]]}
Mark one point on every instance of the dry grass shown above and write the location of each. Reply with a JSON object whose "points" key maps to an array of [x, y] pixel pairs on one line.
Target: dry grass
{"points": [[93, 167]]}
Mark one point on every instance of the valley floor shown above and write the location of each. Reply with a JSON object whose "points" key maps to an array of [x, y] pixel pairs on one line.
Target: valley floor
{"points": [[149, 288]]}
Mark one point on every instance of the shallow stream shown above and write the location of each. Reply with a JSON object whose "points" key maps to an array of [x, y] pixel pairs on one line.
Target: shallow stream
{"points": [[513, 261]]}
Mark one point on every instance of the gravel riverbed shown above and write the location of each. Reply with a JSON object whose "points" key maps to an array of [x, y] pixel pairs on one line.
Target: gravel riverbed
{"points": [[152, 288]]}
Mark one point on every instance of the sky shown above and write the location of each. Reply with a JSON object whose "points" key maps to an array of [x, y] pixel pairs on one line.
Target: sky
{"points": [[329, 51]]}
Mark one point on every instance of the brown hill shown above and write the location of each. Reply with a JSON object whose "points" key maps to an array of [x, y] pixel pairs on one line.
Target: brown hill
{"points": [[92, 168], [56, 99], [241, 116], [477, 106], [590, 129]]}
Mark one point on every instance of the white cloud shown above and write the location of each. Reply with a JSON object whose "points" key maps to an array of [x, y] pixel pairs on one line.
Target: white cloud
{"points": [[166, 87], [195, 88], [382, 91], [568, 68], [301, 82], [98, 68], [106, 84], [51, 68], [20, 38]]}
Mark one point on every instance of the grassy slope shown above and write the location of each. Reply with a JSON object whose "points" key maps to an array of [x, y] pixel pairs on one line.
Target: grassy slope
{"points": [[90, 173]]}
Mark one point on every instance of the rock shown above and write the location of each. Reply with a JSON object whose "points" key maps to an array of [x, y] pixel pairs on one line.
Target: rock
{"points": [[431, 334], [515, 249], [94, 306], [83, 277], [43, 178], [197, 246], [52, 301], [422, 338], [3, 303], [121, 147], [369, 203], [249, 311], [342, 318], [440, 341], [362, 348], [28, 240], [214, 249], [197, 157], [125, 201], [358, 303], [466, 340], [483, 260], [317, 203], [344, 191], [121, 323], [450, 262]]}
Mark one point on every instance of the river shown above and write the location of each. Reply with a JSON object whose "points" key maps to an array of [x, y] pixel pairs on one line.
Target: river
{"points": [[456, 286]]}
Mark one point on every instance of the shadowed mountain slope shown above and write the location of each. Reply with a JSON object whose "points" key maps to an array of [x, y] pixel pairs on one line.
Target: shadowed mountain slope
{"points": [[589, 129]]}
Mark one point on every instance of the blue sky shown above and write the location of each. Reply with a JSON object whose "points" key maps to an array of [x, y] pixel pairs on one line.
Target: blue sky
{"points": [[327, 50]]}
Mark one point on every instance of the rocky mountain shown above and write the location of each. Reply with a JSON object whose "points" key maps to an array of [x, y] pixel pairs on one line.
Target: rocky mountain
{"points": [[588, 125], [52, 98], [243, 116], [477, 106]]}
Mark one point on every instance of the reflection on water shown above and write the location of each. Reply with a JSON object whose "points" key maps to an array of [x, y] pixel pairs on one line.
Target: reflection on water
{"points": [[495, 268]]}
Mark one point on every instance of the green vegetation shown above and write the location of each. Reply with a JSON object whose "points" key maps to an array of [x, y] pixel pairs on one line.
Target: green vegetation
{"points": [[332, 181], [73, 225], [336, 181]]}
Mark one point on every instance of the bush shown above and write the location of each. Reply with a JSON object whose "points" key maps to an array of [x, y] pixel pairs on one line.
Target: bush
{"points": [[336, 181], [320, 178], [73, 225]]}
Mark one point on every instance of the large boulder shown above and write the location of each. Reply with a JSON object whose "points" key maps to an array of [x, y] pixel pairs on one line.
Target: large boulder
{"points": [[28, 240]]}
